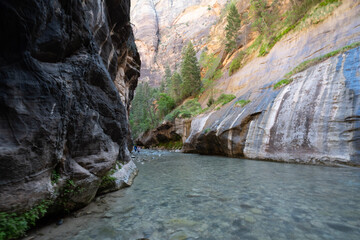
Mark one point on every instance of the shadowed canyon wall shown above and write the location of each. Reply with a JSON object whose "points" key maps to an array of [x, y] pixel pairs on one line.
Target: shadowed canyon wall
{"points": [[68, 70]]}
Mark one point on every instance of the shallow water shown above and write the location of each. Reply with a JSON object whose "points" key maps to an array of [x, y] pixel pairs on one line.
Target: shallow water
{"points": [[185, 196]]}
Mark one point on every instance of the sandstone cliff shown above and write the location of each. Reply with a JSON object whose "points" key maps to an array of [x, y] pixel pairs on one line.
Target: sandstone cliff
{"points": [[314, 119], [68, 70], [162, 27]]}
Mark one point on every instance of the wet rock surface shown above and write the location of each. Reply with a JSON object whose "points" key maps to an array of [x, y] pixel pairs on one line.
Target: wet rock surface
{"points": [[166, 132], [315, 119], [68, 70]]}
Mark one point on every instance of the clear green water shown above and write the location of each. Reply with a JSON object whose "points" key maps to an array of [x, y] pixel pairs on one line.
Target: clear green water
{"points": [[185, 196]]}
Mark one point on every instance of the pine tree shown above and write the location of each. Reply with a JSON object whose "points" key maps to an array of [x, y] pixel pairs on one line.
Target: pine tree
{"points": [[142, 115], [190, 72], [167, 79], [176, 87], [165, 105], [232, 27], [162, 87]]}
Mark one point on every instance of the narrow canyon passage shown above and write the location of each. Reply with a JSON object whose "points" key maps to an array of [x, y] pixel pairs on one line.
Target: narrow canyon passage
{"points": [[188, 196]]}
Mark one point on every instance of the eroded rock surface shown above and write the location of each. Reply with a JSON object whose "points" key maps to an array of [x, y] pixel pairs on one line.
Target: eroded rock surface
{"points": [[315, 119], [166, 132], [68, 70]]}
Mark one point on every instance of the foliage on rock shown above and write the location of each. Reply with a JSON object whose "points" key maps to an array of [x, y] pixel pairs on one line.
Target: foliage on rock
{"points": [[13, 225], [224, 99], [311, 62], [242, 102], [172, 145], [272, 27], [188, 109], [236, 63]]}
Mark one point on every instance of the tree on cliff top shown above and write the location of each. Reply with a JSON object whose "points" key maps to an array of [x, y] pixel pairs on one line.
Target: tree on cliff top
{"points": [[190, 72], [232, 27]]}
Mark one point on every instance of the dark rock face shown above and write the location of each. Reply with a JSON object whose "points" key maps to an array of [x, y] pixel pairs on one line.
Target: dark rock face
{"points": [[166, 132], [68, 70]]}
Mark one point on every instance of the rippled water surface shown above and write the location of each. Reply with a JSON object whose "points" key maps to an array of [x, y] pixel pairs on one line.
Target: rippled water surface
{"points": [[185, 196]]}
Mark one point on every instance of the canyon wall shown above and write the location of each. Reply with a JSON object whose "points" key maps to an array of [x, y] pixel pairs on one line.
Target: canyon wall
{"points": [[163, 27], [68, 71], [314, 119]]}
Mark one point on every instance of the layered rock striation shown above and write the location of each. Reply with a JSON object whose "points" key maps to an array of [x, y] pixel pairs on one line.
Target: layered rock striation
{"points": [[68, 70], [314, 119]]}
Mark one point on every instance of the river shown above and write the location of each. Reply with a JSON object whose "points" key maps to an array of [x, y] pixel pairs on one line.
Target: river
{"points": [[188, 196]]}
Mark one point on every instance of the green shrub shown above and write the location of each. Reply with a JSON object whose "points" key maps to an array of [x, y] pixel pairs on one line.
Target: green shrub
{"points": [[171, 145], [266, 47], [210, 63], [13, 225], [306, 64], [204, 110], [210, 101], [318, 14], [236, 63], [206, 130], [66, 193], [263, 49], [217, 74], [55, 176], [107, 179], [188, 109], [326, 2], [272, 28], [224, 99], [242, 102], [255, 45], [282, 83], [165, 104]]}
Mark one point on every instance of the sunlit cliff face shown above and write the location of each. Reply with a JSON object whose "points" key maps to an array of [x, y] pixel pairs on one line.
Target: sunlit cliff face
{"points": [[163, 27]]}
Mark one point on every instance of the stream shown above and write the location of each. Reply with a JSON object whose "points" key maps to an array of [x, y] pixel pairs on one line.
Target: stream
{"points": [[188, 196]]}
